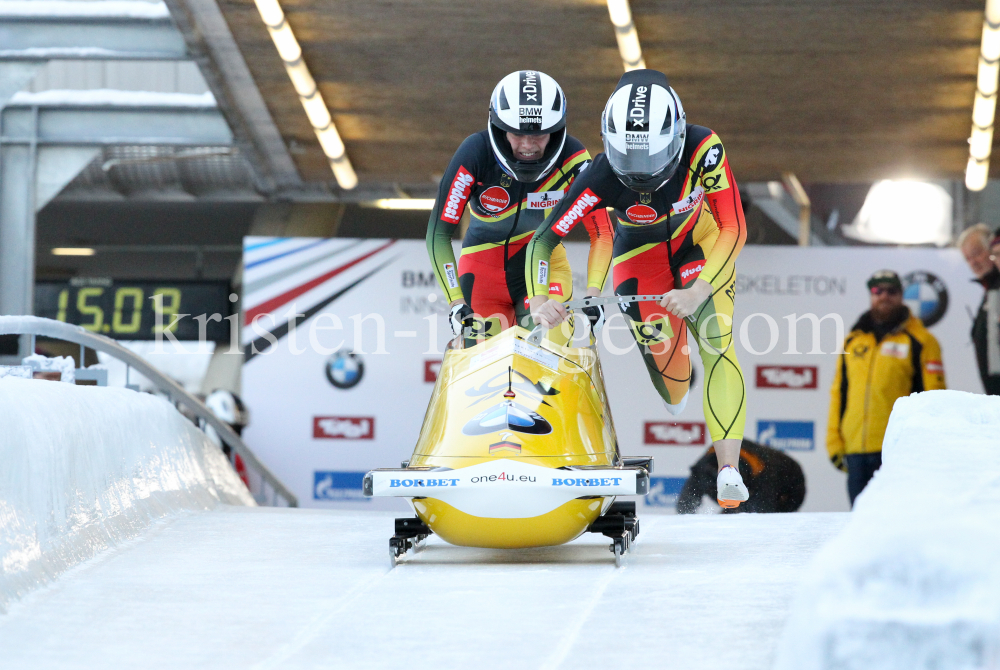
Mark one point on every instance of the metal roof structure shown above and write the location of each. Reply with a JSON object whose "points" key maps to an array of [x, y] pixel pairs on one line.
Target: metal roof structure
{"points": [[832, 90]]}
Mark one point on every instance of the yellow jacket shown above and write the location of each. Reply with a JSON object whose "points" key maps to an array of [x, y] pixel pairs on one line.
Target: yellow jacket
{"points": [[870, 375]]}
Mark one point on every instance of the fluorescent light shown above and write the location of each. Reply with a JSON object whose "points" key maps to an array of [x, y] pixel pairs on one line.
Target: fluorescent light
{"points": [[985, 103], [976, 174], [344, 173], [284, 40], [301, 78], [980, 143], [73, 251], [983, 110], [305, 85], [405, 203], [270, 11], [625, 33], [330, 140], [319, 115], [904, 212]]}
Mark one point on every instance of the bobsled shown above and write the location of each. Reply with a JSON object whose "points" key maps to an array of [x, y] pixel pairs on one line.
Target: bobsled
{"points": [[517, 450]]}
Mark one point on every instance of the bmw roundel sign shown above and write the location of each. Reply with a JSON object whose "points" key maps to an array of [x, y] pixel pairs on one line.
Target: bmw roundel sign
{"points": [[926, 296]]}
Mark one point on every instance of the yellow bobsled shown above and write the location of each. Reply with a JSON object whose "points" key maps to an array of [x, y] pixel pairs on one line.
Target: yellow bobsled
{"points": [[517, 450]]}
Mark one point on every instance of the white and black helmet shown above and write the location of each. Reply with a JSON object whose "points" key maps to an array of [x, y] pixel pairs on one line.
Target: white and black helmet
{"points": [[228, 407], [527, 102], [644, 129]]}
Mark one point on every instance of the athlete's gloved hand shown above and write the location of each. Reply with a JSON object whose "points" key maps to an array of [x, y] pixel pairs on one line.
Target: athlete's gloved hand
{"points": [[839, 462], [596, 315], [461, 318]]}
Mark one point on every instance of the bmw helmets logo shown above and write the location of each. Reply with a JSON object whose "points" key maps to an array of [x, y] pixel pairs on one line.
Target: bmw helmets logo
{"points": [[926, 296], [345, 369]]}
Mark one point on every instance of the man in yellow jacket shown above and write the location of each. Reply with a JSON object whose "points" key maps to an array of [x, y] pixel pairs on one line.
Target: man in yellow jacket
{"points": [[887, 355]]}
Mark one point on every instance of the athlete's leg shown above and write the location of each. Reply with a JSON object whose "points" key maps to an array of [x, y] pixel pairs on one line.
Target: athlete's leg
{"points": [[661, 337], [481, 276], [724, 388]]}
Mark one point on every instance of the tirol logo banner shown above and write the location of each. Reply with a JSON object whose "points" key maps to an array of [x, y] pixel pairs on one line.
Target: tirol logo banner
{"points": [[787, 376]]}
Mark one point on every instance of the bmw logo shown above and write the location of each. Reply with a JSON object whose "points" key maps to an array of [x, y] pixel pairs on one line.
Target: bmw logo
{"points": [[926, 296], [345, 369]]}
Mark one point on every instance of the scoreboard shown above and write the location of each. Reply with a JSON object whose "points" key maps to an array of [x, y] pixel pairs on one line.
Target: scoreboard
{"points": [[140, 310]]}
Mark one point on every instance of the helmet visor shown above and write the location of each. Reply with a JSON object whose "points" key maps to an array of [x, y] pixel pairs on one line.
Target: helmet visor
{"points": [[642, 157]]}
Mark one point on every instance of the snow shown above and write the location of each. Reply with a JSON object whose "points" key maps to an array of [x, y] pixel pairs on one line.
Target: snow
{"points": [[185, 362], [110, 97], [64, 365], [104, 9], [292, 588], [86, 468], [913, 583]]}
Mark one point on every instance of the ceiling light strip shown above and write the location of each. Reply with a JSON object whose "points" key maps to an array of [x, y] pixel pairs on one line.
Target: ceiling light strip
{"points": [[309, 95], [628, 38], [985, 104]]}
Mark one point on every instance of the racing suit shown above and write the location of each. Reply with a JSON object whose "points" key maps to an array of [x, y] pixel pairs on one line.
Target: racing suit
{"points": [[504, 215], [691, 227]]}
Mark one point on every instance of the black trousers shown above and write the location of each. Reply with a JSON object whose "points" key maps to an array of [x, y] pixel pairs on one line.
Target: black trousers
{"points": [[860, 469]]}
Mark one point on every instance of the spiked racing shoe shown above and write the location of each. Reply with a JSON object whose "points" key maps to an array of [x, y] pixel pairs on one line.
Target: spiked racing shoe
{"points": [[732, 490]]}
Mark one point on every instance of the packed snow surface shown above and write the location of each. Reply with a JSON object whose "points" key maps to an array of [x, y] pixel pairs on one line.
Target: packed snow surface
{"points": [[913, 583], [84, 469], [286, 588]]}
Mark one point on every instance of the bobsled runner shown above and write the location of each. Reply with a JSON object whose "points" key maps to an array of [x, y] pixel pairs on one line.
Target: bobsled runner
{"points": [[517, 450]]}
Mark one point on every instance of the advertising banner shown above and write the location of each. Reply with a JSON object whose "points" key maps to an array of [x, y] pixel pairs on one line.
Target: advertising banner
{"points": [[343, 339]]}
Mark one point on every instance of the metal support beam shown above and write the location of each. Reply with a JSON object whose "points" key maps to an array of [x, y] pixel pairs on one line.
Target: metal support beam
{"points": [[88, 29], [47, 139], [153, 119], [224, 68], [14, 76]]}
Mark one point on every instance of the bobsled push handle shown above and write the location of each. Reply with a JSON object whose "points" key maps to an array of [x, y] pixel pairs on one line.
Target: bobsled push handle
{"points": [[591, 301], [537, 335]]}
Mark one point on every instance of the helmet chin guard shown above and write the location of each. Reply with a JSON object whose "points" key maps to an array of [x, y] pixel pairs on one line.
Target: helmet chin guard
{"points": [[644, 129], [527, 102]]}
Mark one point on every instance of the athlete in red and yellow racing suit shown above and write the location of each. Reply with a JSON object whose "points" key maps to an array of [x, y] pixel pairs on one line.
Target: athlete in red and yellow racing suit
{"points": [[504, 215], [691, 228]]}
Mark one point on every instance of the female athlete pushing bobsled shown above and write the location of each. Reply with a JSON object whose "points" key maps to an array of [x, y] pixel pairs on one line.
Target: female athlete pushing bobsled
{"points": [[680, 228]]}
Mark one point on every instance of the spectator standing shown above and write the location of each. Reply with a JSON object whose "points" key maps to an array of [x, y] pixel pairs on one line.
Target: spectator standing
{"points": [[887, 355], [975, 243]]}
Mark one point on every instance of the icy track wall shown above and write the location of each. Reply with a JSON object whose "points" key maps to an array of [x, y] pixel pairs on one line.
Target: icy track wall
{"points": [[84, 468], [913, 582]]}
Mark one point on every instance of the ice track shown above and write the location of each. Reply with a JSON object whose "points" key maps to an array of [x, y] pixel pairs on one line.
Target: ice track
{"points": [[272, 588]]}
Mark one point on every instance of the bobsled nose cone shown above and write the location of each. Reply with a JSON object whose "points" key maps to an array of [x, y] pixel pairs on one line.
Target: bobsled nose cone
{"points": [[679, 407]]}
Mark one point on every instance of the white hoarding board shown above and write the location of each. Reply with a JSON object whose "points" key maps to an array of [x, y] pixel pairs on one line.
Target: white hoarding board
{"points": [[345, 385]]}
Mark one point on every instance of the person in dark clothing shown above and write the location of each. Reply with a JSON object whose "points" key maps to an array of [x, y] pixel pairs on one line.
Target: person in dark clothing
{"points": [[775, 478], [974, 243]]}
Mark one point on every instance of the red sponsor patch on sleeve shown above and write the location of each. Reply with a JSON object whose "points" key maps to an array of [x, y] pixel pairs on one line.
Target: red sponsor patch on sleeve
{"points": [[584, 202], [555, 288], [934, 367], [458, 194], [691, 271]]}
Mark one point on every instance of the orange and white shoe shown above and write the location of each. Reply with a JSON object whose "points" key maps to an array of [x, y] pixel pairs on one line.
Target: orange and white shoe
{"points": [[732, 490]]}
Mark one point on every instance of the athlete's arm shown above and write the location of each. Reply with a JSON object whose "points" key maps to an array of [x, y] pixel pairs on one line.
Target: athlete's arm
{"points": [[597, 223], [710, 168], [453, 194], [723, 199], [584, 203]]}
